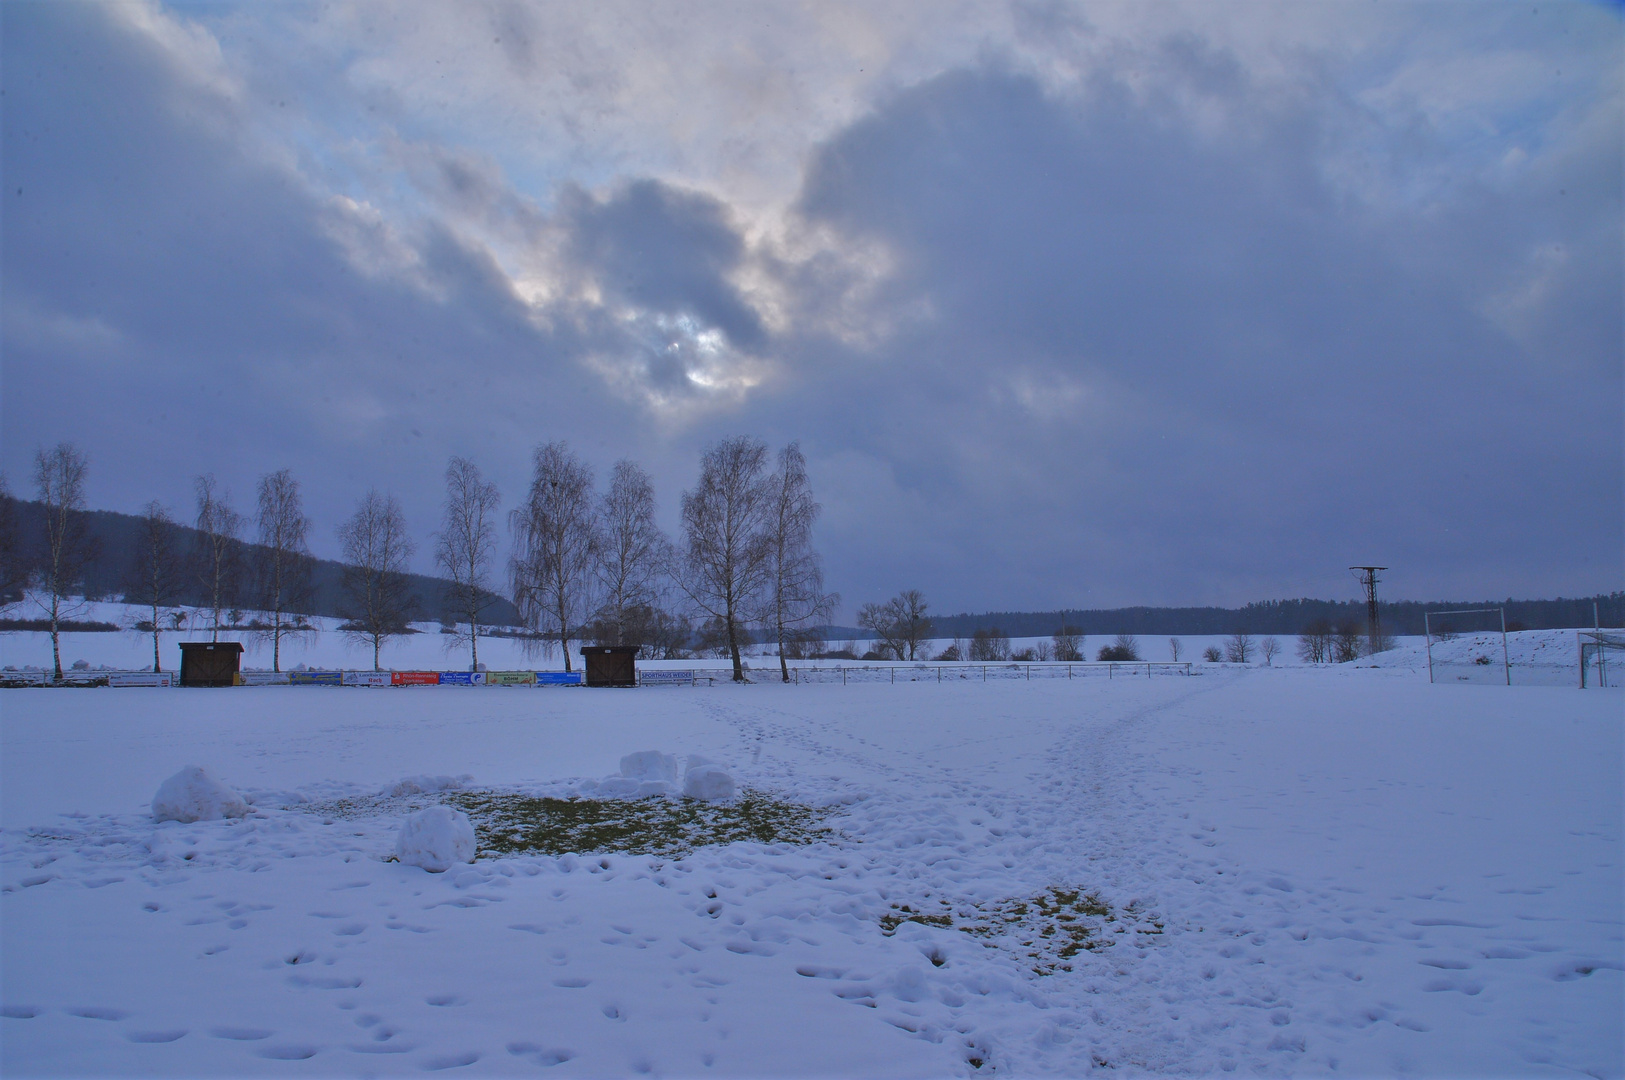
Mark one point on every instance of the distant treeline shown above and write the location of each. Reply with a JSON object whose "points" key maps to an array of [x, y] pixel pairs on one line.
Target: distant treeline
{"points": [[1266, 617], [116, 541]]}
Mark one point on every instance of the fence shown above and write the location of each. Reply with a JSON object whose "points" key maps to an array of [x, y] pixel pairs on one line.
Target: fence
{"points": [[800, 673], [978, 672]]}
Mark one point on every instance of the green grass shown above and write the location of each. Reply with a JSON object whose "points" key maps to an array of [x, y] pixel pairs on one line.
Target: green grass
{"points": [[512, 824], [1048, 929]]}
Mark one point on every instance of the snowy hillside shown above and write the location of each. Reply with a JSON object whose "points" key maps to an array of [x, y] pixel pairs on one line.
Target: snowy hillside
{"points": [[1265, 872]]}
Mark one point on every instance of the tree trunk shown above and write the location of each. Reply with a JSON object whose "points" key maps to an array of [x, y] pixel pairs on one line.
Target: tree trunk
{"points": [[733, 647], [56, 641], [784, 668]]}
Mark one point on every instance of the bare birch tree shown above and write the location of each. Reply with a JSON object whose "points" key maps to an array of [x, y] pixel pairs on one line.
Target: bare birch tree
{"points": [[378, 596], [724, 564], [466, 547], [155, 578], [283, 557], [1269, 648], [59, 479], [555, 537], [796, 601], [630, 554], [218, 554]]}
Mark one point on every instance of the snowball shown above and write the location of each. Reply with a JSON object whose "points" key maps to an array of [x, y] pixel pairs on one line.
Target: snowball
{"points": [[436, 839], [708, 782], [194, 795], [649, 765], [426, 785]]}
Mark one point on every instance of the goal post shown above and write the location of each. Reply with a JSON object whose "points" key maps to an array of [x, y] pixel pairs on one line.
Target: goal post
{"points": [[1469, 660], [1598, 650]]}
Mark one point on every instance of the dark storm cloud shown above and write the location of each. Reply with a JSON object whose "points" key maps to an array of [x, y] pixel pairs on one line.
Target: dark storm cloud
{"points": [[1267, 381], [664, 250]]}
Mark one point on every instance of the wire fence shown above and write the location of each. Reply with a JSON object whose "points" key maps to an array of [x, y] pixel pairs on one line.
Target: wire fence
{"points": [[846, 674]]}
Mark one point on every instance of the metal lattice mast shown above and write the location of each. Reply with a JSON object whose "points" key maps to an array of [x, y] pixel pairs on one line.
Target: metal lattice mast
{"points": [[1373, 621]]}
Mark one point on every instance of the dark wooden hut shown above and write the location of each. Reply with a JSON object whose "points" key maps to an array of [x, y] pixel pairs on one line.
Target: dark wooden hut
{"points": [[610, 665], [210, 663]]}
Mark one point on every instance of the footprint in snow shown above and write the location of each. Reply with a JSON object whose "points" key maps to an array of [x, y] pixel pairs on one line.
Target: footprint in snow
{"points": [[156, 1036], [451, 1061], [19, 1012], [96, 1012], [445, 1000], [241, 1034], [350, 929], [295, 1052]]}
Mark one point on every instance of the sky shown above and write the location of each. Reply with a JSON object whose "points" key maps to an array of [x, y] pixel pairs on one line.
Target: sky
{"points": [[1068, 304]]}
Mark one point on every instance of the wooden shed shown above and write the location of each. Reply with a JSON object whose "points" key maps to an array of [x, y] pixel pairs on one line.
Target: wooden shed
{"points": [[610, 665], [210, 663]]}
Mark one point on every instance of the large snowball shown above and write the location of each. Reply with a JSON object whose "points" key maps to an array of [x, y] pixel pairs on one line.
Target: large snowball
{"points": [[194, 795], [649, 765], [708, 782], [436, 839]]}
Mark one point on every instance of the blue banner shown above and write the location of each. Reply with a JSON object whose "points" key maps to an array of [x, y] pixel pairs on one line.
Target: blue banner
{"points": [[461, 678], [316, 678], [558, 678]]}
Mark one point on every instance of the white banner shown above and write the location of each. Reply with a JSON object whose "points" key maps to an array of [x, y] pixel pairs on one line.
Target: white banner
{"points": [[141, 678], [264, 678], [666, 677], [366, 678]]}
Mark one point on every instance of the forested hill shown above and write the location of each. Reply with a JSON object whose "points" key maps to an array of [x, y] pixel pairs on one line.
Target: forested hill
{"points": [[115, 539], [1266, 617]]}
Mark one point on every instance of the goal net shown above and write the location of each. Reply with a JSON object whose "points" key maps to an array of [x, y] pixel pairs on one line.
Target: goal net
{"points": [[1602, 658], [1468, 646]]}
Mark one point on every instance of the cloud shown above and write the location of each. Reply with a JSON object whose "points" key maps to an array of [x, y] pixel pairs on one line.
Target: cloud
{"points": [[1148, 306]]}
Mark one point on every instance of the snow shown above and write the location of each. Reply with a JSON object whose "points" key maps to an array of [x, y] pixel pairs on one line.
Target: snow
{"points": [[1310, 871], [436, 838], [193, 795], [650, 765], [710, 783]]}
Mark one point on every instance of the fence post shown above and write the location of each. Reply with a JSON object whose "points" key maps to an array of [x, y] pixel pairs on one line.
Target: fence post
{"points": [[843, 674], [1029, 673], [984, 673], [894, 676]]}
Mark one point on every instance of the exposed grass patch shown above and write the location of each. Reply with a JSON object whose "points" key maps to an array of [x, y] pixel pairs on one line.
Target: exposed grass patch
{"points": [[1048, 929], [509, 824]]}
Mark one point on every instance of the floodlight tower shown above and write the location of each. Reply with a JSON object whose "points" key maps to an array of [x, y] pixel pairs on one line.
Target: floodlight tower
{"points": [[1373, 623]]}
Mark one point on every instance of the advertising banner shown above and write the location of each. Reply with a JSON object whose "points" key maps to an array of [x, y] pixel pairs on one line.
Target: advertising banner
{"points": [[510, 678], [316, 678], [262, 678], [366, 678], [666, 677], [414, 678], [22, 678], [141, 678], [558, 678], [462, 678]]}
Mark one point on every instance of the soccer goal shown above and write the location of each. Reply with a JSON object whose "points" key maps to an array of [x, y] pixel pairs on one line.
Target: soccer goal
{"points": [[1601, 654], [1468, 645]]}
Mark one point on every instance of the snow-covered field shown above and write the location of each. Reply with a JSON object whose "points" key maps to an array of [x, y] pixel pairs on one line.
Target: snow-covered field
{"points": [[1301, 871]]}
